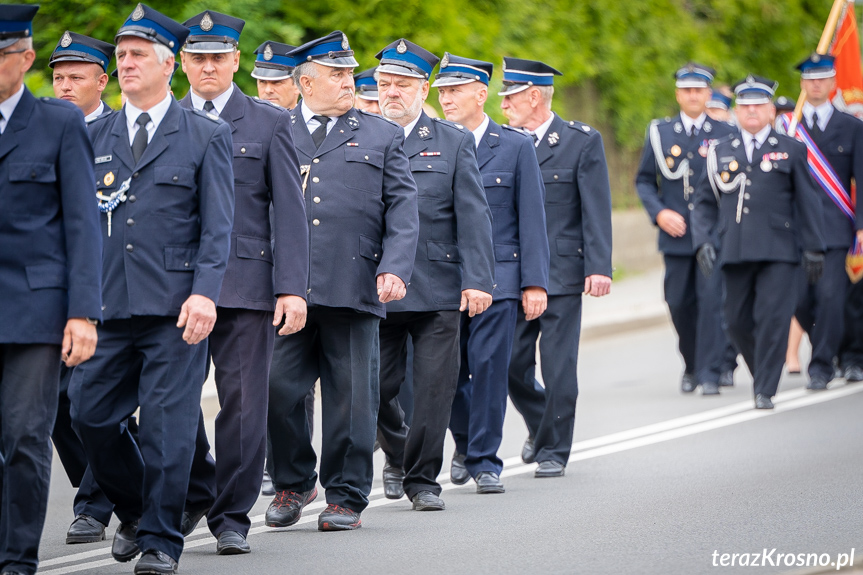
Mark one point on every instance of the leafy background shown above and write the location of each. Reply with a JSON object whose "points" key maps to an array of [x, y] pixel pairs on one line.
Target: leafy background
{"points": [[618, 58]]}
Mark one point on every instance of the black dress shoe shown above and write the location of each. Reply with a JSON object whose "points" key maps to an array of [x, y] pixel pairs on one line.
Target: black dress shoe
{"points": [[528, 452], [458, 472], [687, 383], [155, 562], [267, 485], [337, 518], [489, 482], [763, 402], [85, 529], [853, 374], [427, 501], [287, 507], [550, 469], [12, 573], [232, 543], [726, 379], [191, 518], [817, 383], [709, 388], [393, 482], [124, 547]]}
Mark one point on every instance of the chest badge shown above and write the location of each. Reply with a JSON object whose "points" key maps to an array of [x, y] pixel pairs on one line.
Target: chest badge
{"points": [[702, 151], [725, 176], [675, 150], [733, 165], [669, 161], [108, 179], [766, 165]]}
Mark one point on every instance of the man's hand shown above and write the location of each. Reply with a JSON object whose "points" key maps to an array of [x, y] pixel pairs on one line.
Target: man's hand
{"points": [[79, 341], [474, 301], [860, 237], [198, 316], [597, 285], [390, 288], [671, 223], [293, 309], [534, 300], [706, 258]]}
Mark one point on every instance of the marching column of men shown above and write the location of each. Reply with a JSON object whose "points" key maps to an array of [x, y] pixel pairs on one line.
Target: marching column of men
{"points": [[292, 242]]}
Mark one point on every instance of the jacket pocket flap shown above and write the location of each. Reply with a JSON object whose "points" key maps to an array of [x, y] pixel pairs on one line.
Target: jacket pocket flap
{"points": [[426, 165], [248, 150], [366, 156], [569, 247], [497, 179], [370, 249], [254, 248], [557, 175], [180, 258], [32, 172], [443, 252], [781, 222], [506, 252], [46, 276], [175, 176]]}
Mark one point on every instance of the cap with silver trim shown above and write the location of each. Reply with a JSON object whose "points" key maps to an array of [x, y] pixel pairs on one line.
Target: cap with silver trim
{"points": [[817, 66], [404, 58], [693, 75], [332, 50], [16, 22], [212, 33], [519, 75], [152, 25], [74, 47], [366, 86], [754, 90], [455, 70]]}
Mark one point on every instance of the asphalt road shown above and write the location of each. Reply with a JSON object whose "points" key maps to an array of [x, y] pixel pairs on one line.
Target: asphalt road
{"points": [[658, 483]]}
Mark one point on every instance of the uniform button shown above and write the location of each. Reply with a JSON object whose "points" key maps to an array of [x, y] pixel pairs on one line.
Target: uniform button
{"points": [[366, 157], [174, 179], [840, 149], [316, 179], [130, 222], [262, 252], [316, 199], [242, 150], [133, 199], [498, 180], [748, 182], [185, 264], [32, 175], [787, 225], [316, 160], [579, 250], [748, 168], [515, 255], [316, 222], [103, 308], [691, 207], [136, 174], [130, 248], [429, 166], [447, 255], [746, 196], [745, 210], [555, 176], [376, 255], [689, 155]]}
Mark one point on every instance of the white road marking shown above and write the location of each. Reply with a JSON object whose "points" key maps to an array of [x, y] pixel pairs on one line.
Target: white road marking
{"points": [[597, 447]]}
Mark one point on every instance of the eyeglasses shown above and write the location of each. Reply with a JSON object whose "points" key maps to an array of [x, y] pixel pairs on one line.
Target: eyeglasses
{"points": [[4, 54]]}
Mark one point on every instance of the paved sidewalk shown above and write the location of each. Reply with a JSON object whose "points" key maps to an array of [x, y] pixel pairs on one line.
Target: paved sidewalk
{"points": [[635, 302]]}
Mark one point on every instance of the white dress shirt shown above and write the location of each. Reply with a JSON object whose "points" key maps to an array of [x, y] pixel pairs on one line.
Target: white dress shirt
{"points": [[480, 130], [825, 112], [7, 107], [157, 114], [95, 113], [751, 140], [219, 102], [689, 123], [409, 128], [313, 124], [542, 129]]}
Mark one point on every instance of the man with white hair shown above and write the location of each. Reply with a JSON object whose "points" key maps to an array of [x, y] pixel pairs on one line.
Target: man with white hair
{"points": [[165, 184], [453, 272], [362, 209]]}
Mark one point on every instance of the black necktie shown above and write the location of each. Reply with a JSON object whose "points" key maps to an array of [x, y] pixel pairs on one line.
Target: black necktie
{"points": [[693, 133], [139, 144], [320, 133], [210, 108], [2, 117], [535, 137], [816, 129]]}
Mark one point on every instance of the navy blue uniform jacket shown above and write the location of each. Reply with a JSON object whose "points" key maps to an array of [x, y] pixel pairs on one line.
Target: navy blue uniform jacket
{"points": [[266, 172], [658, 193], [361, 204], [172, 235], [780, 214], [455, 250], [50, 247], [577, 204], [515, 194]]}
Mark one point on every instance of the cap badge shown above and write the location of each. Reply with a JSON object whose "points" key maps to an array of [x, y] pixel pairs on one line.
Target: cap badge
{"points": [[401, 48], [750, 80], [109, 179], [816, 58], [345, 45], [553, 138], [445, 60], [206, 22], [138, 13], [423, 131], [268, 52], [66, 40]]}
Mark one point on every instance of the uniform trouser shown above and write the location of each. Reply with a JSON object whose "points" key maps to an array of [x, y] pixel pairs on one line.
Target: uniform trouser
{"points": [[821, 312], [398, 413], [851, 349], [419, 449], [29, 375], [147, 480], [695, 303], [760, 301], [89, 499], [340, 346], [241, 347], [549, 412], [479, 405]]}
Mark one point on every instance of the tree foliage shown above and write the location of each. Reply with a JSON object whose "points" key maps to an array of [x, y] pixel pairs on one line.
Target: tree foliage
{"points": [[622, 55]]}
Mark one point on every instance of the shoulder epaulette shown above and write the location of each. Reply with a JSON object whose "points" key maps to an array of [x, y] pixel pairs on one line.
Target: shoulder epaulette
{"points": [[208, 115], [580, 127], [449, 124]]}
